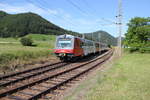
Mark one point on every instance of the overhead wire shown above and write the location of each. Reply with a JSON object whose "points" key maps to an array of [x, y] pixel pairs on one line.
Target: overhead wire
{"points": [[40, 5], [87, 13], [88, 6], [78, 7], [106, 20], [45, 2], [45, 9]]}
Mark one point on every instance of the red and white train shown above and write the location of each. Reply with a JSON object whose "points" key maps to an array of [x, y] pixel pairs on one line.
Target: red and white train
{"points": [[70, 47]]}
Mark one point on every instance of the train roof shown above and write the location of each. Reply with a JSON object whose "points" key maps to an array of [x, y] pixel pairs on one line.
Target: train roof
{"points": [[65, 36], [71, 36]]}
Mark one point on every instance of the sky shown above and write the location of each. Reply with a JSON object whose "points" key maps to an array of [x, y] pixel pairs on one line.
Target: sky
{"points": [[81, 16]]}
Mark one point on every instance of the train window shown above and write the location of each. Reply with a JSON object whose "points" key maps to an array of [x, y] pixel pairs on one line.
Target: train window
{"points": [[64, 42]]}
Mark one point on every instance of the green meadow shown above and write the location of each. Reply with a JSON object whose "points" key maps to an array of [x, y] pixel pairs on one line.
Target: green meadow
{"points": [[127, 79], [11, 49]]}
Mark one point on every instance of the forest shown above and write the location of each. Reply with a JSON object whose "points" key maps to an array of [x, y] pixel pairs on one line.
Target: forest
{"points": [[19, 25]]}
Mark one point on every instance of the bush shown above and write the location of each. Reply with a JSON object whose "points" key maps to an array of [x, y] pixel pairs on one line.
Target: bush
{"points": [[133, 49], [144, 50], [26, 41]]}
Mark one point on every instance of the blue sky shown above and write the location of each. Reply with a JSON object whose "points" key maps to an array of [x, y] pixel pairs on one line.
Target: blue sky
{"points": [[80, 15]]}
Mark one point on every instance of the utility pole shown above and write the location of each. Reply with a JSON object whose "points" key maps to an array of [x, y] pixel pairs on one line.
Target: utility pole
{"points": [[119, 24]]}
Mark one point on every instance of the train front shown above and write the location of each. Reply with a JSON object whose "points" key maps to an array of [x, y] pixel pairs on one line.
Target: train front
{"points": [[64, 47]]}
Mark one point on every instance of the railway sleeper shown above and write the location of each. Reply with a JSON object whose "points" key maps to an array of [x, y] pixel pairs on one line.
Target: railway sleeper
{"points": [[54, 87]]}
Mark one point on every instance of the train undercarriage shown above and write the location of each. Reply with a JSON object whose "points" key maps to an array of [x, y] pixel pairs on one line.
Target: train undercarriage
{"points": [[68, 57]]}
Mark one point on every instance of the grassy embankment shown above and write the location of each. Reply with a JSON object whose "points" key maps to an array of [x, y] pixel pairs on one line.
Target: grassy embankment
{"points": [[12, 52], [127, 79]]}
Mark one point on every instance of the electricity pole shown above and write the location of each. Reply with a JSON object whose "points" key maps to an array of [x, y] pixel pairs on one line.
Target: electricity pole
{"points": [[119, 24]]}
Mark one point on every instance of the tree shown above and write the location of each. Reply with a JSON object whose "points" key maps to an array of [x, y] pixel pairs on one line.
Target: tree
{"points": [[19, 25], [26, 41], [138, 33]]}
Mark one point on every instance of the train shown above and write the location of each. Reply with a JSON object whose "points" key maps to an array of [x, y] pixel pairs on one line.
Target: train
{"points": [[69, 47]]}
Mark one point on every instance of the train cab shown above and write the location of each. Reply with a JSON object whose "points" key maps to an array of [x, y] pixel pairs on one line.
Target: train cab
{"points": [[68, 47]]}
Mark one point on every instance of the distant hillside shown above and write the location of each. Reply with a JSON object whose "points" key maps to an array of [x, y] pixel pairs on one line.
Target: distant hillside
{"points": [[17, 25], [104, 37]]}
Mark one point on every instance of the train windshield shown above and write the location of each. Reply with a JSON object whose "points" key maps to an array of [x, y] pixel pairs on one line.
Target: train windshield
{"points": [[64, 43]]}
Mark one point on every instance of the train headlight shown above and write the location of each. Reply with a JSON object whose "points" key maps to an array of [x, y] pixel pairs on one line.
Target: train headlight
{"points": [[62, 54]]}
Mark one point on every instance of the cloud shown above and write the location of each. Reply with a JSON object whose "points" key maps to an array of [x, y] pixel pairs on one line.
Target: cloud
{"points": [[60, 17], [28, 7]]}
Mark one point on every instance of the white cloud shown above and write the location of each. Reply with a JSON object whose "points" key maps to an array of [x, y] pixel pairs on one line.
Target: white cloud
{"points": [[25, 8], [61, 18]]}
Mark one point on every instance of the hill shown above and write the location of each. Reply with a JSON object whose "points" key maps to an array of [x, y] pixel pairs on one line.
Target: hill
{"points": [[17, 25], [102, 36]]}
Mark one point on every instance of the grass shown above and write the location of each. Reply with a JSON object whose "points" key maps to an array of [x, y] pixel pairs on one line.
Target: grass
{"points": [[128, 79], [40, 37], [11, 49], [8, 39]]}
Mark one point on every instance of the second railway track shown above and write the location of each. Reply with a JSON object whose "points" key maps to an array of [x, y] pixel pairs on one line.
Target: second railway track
{"points": [[34, 88], [26, 74]]}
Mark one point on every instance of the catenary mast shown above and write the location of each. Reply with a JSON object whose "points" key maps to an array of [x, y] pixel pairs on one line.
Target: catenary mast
{"points": [[119, 24]]}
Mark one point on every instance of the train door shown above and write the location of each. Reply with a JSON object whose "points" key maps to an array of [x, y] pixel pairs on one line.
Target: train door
{"points": [[78, 50], [94, 47], [85, 47]]}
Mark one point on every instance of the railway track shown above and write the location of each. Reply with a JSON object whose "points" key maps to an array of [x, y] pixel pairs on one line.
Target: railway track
{"points": [[26, 74], [43, 83]]}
